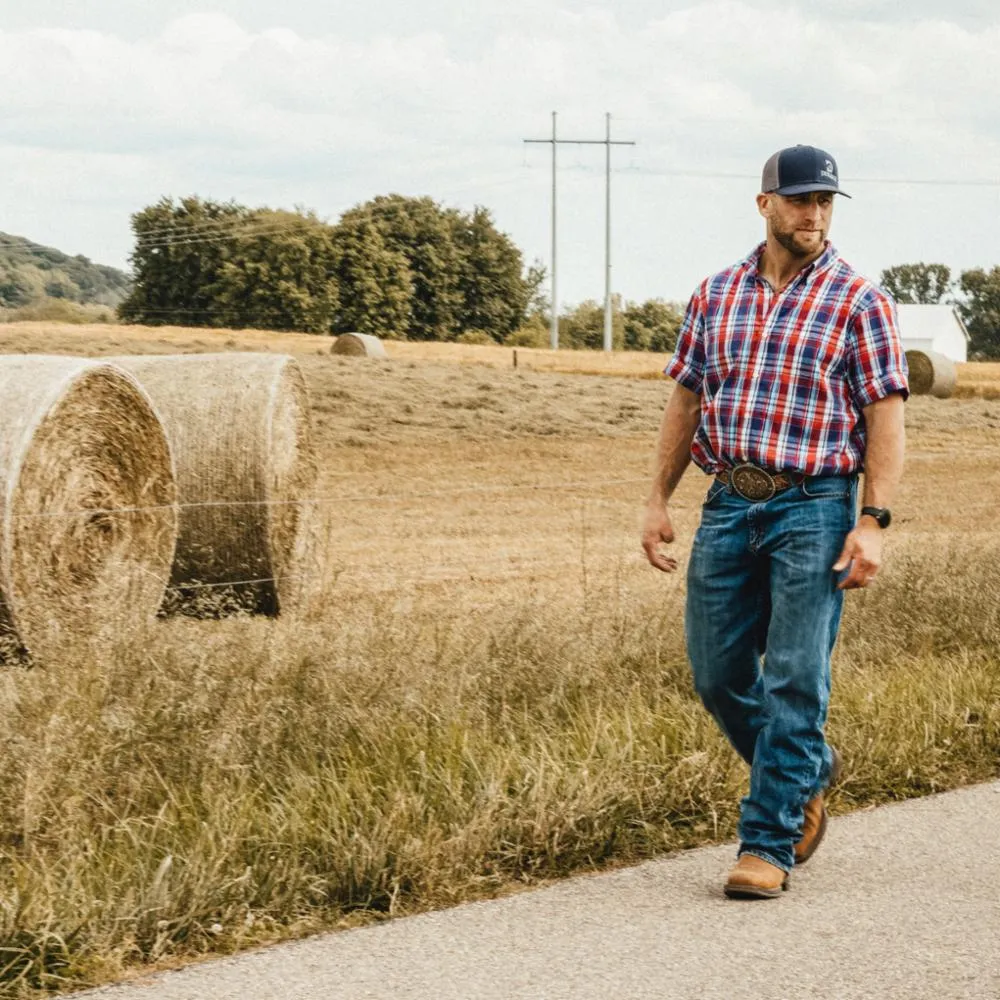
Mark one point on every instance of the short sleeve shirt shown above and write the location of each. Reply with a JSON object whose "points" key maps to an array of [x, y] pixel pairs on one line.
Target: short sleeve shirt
{"points": [[784, 376]]}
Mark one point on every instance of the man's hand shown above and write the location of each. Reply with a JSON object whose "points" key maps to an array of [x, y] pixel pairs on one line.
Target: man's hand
{"points": [[863, 553], [657, 529]]}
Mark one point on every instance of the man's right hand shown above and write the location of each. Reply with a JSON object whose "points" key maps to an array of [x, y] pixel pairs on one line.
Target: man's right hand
{"points": [[657, 530]]}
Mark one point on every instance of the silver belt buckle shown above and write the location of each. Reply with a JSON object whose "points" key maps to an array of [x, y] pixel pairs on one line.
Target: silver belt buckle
{"points": [[752, 483]]}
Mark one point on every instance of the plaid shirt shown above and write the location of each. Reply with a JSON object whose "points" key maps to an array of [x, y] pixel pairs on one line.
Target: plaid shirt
{"points": [[783, 377]]}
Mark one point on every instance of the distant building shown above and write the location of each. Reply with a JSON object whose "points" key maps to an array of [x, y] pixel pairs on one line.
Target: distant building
{"points": [[934, 328]]}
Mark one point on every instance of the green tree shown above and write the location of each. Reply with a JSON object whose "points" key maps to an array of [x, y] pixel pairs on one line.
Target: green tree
{"points": [[201, 263], [277, 274], [539, 302], [652, 325], [495, 294], [981, 310], [179, 252], [375, 282], [393, 266], [463, 273], [917, 283], [15, 286], [423, 233], [583, 326]]}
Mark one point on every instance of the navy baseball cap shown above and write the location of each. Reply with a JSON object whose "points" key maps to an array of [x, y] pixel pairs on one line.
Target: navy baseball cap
{"points": [[800, 169]]}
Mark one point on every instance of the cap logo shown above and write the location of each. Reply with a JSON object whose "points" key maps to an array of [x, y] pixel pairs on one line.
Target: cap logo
{"points": [[829, 171]]}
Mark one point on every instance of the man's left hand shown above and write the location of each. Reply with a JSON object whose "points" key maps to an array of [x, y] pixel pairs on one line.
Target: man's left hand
{"points": [[863, 553]]}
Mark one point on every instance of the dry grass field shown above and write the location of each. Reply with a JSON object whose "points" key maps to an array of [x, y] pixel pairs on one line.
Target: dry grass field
{"points": [[489, 687]]}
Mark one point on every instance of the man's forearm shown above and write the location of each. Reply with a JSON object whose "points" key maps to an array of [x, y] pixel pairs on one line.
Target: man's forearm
{"points": [[673, 450], [886, 434]]}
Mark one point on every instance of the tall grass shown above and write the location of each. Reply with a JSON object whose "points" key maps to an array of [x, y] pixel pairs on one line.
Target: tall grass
{"points": [[219, 784]]}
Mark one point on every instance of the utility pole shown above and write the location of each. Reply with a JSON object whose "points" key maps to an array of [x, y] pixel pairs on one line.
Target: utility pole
{"points": [[554, 320], [607, 142], [607, 231]]}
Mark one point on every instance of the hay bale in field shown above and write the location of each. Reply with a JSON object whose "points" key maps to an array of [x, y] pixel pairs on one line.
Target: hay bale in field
{"points": [[87, 511], [359, 345], [931, 374], [238, 426]]}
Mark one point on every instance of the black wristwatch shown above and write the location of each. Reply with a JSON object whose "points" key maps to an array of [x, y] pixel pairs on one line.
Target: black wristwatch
{"points": [[881, 515]]}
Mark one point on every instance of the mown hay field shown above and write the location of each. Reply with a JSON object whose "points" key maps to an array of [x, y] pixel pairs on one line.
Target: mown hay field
{"points": [[489, 688]]}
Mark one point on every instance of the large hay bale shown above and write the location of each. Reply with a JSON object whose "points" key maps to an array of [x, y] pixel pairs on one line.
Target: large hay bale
{"points": [[87, 513], [238, 426], [359, 345], [931, 374]]}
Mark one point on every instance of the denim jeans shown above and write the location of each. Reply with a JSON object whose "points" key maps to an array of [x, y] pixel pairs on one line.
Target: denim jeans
{"points": [[763, 611]]}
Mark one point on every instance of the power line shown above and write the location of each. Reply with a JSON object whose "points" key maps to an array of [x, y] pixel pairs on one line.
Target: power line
{"points": [[219, 234], [727, 175], [224, 222], [221, 237], [181, 239]]}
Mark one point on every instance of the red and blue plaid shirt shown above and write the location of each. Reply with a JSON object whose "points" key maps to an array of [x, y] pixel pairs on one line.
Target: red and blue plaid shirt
{"points": [[783, 377]]}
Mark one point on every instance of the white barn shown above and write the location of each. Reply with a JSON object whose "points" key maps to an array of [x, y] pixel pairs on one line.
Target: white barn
{"points": [[935, 328]]}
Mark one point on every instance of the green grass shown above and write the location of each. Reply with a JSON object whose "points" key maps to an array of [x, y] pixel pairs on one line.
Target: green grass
{"points": [[221, 784]]}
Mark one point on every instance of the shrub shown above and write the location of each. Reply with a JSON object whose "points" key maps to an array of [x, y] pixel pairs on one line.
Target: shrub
{"points": [[57, 311], [532, 333], [480, 337]]}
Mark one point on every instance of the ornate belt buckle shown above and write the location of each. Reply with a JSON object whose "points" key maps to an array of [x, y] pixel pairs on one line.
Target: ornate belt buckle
{"points": [[752, 483]]}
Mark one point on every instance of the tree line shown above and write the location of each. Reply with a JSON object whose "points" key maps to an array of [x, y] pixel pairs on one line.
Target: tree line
{"points": [[394, 266], [975, 293]]}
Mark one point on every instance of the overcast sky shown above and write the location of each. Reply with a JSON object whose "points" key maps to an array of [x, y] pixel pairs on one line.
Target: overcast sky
{"points": [[107, 105]]}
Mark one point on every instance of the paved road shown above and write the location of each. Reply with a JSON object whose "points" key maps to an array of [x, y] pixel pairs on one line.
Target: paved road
{"points": [[900, 902]]}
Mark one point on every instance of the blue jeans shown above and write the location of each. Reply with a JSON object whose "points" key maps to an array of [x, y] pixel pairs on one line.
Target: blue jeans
{"points": [[763, 611]]}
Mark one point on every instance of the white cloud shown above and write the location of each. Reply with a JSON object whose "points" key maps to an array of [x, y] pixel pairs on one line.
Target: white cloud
{"points": [[94, 124]]}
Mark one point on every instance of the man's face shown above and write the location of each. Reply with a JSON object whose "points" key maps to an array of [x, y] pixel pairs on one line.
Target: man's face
{"points": [[799, 222]]}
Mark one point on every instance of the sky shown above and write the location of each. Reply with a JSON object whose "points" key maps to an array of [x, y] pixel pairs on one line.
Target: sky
{"points": [[108, 105]]}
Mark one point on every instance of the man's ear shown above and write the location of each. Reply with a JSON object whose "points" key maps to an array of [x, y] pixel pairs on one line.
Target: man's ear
{"points": [[764, 205]]}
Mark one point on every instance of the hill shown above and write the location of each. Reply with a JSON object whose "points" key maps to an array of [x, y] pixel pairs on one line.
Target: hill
{"points": [[39, 279]]}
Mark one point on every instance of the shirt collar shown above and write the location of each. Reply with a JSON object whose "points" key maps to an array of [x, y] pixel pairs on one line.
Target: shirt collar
{"points": [[820, 264]]}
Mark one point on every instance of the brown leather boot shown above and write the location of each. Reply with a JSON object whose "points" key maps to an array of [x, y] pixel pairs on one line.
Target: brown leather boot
{"points": [[755, 878], [814, 817]]}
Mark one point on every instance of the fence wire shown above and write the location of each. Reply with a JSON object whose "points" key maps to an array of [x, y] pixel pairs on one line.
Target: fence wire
{"points": [[345, 498], [327, 500], [571, 485]]}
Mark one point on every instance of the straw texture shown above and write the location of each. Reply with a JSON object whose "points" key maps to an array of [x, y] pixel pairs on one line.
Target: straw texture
{"points": [[79, 441], [238, 427], [931, 374], [359, 345]]}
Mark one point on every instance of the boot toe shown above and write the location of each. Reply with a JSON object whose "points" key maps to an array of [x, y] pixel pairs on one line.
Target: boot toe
{"points": [[755, 878]]}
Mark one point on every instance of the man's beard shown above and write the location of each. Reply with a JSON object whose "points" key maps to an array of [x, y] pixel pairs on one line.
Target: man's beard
{"points": [[788, 240]]}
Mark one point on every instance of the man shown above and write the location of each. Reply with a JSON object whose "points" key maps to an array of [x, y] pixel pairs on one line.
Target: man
{"points": [[790, 381]]}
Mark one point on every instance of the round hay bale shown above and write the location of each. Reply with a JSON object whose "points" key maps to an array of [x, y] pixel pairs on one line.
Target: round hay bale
{"points": [[87, 513], [359, 345], [238, 427], [931, 374]]}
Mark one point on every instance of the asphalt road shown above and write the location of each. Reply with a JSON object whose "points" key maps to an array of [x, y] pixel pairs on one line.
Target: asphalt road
{"points": [[902, 901]]}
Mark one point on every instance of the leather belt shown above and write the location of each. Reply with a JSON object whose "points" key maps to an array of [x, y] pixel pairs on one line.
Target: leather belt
{"points": [[756, 484]]}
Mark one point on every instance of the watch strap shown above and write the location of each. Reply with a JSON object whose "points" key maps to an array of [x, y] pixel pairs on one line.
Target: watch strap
{"points": [[881, 515]]}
